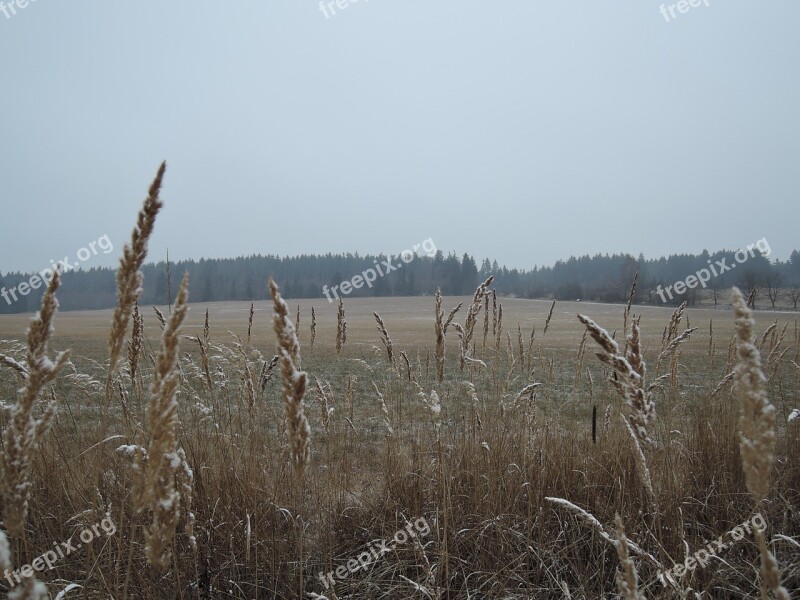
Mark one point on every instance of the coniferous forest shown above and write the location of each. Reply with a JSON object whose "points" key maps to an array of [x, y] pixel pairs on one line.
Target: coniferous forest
{"points": [[602, 278]]}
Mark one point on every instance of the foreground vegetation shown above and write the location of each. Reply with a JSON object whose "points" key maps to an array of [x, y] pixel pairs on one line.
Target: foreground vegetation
{"points": [[235, 463]]}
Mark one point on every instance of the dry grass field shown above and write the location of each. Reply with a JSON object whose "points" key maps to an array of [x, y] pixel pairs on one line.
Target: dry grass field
{"points": [[180, 460], [480, 483]]}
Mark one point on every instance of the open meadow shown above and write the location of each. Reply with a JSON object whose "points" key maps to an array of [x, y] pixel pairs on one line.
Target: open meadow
{"points": [[475, 462]]}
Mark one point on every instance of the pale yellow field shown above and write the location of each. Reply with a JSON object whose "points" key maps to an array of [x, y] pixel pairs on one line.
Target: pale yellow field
{"points": [[409, 320]]}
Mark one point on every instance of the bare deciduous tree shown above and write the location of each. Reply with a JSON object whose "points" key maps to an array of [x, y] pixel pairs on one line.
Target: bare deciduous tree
{"points": [[773, 281], [793, 294], [751, 283]]}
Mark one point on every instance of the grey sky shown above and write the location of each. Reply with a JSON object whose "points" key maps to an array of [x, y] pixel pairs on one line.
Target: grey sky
{"points": [[521, 130]]}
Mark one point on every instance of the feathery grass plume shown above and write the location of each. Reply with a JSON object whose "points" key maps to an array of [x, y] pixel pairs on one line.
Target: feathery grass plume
{"points": [[185, 477], [627, 311], [163, 460], [439, 328], [628, 377], [408, 365], [731, 354], [494, 312], [549, 316], [460, 332], [385, 339], [247, 380], [776, 364], [521, 348], [499, 330], [627, 578], [266, 371], [765, 335], [327, 410], [161, 319], [565, 591], [248, 532], [21, 370], [206, 330], [475, 361], [204, 362], [476, 405], [434, 405], [527, 392], [472, 319], [530, 351], [757, 420], [297, 321], [129, 275], [590, 520], [451, 316], [510, 348], [579, 360], [770, 573], [641, 466], [385, 409], [313, 326], [671, 330], [294, 382], [675, 321], [485, 320], [773, 340], [725, 380], [775, 345], [672, 347], [341, 328], [430, 576], [136, 343], [123, 400], [585, 516], [24, 431], [250, 322]]}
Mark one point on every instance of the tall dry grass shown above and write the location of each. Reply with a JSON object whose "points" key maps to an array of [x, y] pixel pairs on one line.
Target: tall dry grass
{"points": [[130, 279], [522, 502], [294, 381], [26, 430]]}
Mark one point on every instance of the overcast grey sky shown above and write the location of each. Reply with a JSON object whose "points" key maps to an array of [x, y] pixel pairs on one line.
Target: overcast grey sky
{"points": [[520, 130]]}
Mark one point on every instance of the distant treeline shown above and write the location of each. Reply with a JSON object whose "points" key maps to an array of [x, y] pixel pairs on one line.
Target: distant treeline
{"points": [[599, 278]]}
